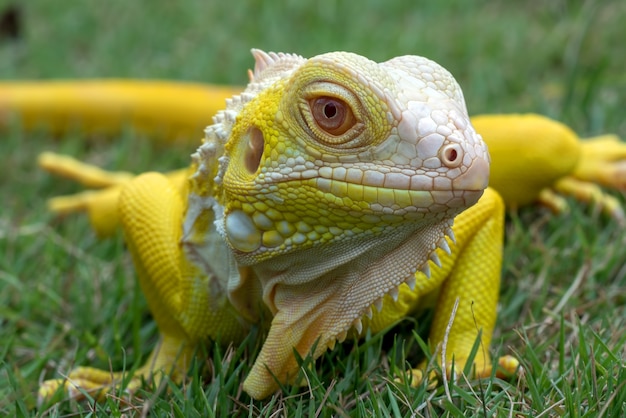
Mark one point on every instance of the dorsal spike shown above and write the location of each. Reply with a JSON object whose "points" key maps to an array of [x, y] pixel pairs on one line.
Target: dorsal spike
{"points": [[262, 60], [271, 65]]}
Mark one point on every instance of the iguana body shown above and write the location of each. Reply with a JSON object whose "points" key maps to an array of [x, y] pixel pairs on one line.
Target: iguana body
{"points": [[321, 198]]}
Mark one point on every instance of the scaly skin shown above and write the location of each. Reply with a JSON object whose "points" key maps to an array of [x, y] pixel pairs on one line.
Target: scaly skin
{"points": [[327, 188]]}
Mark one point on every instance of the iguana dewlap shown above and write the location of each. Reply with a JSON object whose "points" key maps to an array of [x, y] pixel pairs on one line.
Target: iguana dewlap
{"points": [[323, 194]]}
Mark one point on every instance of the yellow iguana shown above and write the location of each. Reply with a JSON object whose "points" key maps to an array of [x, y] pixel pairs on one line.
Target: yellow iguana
{"points": [[323, 197]]}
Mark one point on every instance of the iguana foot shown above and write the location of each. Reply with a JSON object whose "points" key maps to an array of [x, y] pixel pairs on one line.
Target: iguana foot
{"points": [[86, 381], [585, 192], [507, 367], [603, 161], [100, 205], [86, 174], [171, 357], [537, 159]]}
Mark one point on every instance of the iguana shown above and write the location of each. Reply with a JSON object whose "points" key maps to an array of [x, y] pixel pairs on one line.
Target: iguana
{"points": [[323, 196]]}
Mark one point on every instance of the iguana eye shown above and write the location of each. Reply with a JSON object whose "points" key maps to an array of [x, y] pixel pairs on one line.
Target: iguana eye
{"points": [[333, 116]]}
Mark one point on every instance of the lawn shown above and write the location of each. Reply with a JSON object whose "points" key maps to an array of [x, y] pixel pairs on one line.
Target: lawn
{"points": [[68, 298]]}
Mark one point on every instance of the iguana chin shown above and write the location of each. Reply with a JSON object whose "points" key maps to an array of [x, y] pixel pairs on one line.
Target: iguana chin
{"points": [[323, 196]]}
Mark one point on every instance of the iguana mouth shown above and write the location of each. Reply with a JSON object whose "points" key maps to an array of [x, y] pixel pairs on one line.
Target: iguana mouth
{"points": [[400, 201]]}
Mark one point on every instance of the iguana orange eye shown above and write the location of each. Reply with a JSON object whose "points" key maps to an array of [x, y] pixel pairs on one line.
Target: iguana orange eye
{"points": [[332, 115]]}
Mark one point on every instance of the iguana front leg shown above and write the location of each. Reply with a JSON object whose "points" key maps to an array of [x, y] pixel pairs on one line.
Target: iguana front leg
{"points": [[187, 302], [467, 277], [467, 303]]}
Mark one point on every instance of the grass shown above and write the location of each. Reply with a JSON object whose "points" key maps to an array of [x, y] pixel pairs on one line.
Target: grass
{"points": [[67, 298]]}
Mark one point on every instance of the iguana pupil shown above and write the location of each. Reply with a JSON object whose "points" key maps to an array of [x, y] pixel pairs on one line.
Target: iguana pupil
{"points": [[330, 110], [332, 115]]}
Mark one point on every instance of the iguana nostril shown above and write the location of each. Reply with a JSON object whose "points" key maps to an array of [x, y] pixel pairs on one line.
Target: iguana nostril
{"points": [[254, 152], [452, 155]]}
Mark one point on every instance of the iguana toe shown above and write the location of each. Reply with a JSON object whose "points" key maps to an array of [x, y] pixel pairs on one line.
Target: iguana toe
{"points": [[83, 382]]}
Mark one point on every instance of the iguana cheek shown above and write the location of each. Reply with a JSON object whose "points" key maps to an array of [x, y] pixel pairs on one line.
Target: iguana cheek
{"points": [[249, 233]]}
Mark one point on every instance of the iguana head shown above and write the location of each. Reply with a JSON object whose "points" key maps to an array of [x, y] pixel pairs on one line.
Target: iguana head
{"points": [[338, 177]]}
